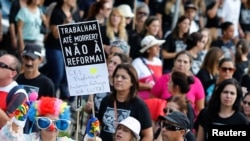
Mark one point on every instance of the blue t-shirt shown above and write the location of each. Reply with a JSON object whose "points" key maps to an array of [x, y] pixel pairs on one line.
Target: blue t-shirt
{"points": [[32, 23]]}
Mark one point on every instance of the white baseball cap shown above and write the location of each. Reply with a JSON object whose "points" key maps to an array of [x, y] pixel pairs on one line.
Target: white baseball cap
{"points": [[150, 41], [126, 10], [133, 124]]}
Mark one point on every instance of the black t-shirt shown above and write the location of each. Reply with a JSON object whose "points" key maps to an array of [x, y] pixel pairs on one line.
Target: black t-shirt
{"points": [[57, 18], [241, 69], [172, 45], [105, 38], [244, 18], [41, 83], [204, 77], [13, 11], [135, 108], [212, 22], [245, 81], [135, 44], [236, 119], [166, 19]]}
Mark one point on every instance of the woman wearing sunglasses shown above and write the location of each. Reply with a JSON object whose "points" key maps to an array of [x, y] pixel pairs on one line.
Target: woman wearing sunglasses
{"points": [[51, 115], [222, 109], [226, 70]]}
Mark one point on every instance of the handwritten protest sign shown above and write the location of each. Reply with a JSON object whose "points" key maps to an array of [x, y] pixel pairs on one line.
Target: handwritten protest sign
{"points": [[84, 58]]}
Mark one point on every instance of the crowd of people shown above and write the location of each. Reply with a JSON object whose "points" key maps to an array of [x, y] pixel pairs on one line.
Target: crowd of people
{"points": [[175, 67]]}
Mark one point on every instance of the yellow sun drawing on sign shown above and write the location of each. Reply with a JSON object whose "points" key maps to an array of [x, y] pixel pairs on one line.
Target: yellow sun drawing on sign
{"points": [[93, 70]]}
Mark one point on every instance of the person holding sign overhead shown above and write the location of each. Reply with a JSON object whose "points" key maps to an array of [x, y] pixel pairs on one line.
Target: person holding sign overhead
{"points": [[122, 103], [61, 14]]}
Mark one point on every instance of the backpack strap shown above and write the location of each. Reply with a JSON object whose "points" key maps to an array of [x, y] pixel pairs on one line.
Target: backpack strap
{"points": [[12, 92]]}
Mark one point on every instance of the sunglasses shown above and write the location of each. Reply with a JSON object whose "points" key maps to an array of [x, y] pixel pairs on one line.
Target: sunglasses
{"points": [[171, 127], [225, 69], [246, 103], [5, 66], [45, 123], [167, 110]]}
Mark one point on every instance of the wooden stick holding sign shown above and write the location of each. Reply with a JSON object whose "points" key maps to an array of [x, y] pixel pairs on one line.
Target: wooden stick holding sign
{"points": [[78, 109], [134, 18], [92, 105]]}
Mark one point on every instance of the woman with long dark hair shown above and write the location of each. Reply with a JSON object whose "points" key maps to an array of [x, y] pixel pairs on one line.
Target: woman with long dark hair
{"points": [[175, 42], [222, 109]]}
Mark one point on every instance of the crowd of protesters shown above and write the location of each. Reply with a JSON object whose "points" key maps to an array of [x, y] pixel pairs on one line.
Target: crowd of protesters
{"points": [[191, 55]]}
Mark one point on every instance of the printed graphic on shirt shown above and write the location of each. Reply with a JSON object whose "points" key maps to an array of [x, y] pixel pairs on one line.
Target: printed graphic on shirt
{"points": [[245, 15], [110, 121], [29, 89], [180, 45], [98, 99]]}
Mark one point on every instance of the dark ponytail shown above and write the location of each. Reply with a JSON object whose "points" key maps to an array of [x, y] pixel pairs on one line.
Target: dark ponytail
{"points": [[182, 80], [193, 39]]}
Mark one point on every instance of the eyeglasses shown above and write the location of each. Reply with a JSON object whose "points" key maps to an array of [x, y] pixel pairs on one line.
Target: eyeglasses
{"points": [[5, 66], [225, 69], [171, 127], [246, 103], [167, 110], [45, 123], [142, 13]]}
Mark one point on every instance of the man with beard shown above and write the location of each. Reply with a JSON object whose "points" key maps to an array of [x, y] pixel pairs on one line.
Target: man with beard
{"points": [[32, 79]]}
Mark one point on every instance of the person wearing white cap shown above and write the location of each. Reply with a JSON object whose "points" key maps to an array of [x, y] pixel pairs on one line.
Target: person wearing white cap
{"points": [[128, 130], [126, 10], [128, 14], [149, 65]]}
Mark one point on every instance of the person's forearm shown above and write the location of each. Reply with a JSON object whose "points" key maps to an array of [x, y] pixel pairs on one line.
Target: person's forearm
{"points": [[147, 134], [1, 32], [147, 138], [3, 118], [13, 36]]}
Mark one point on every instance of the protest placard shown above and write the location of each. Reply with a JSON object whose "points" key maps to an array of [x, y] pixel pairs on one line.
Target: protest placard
{"points": [[84, 58]]}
